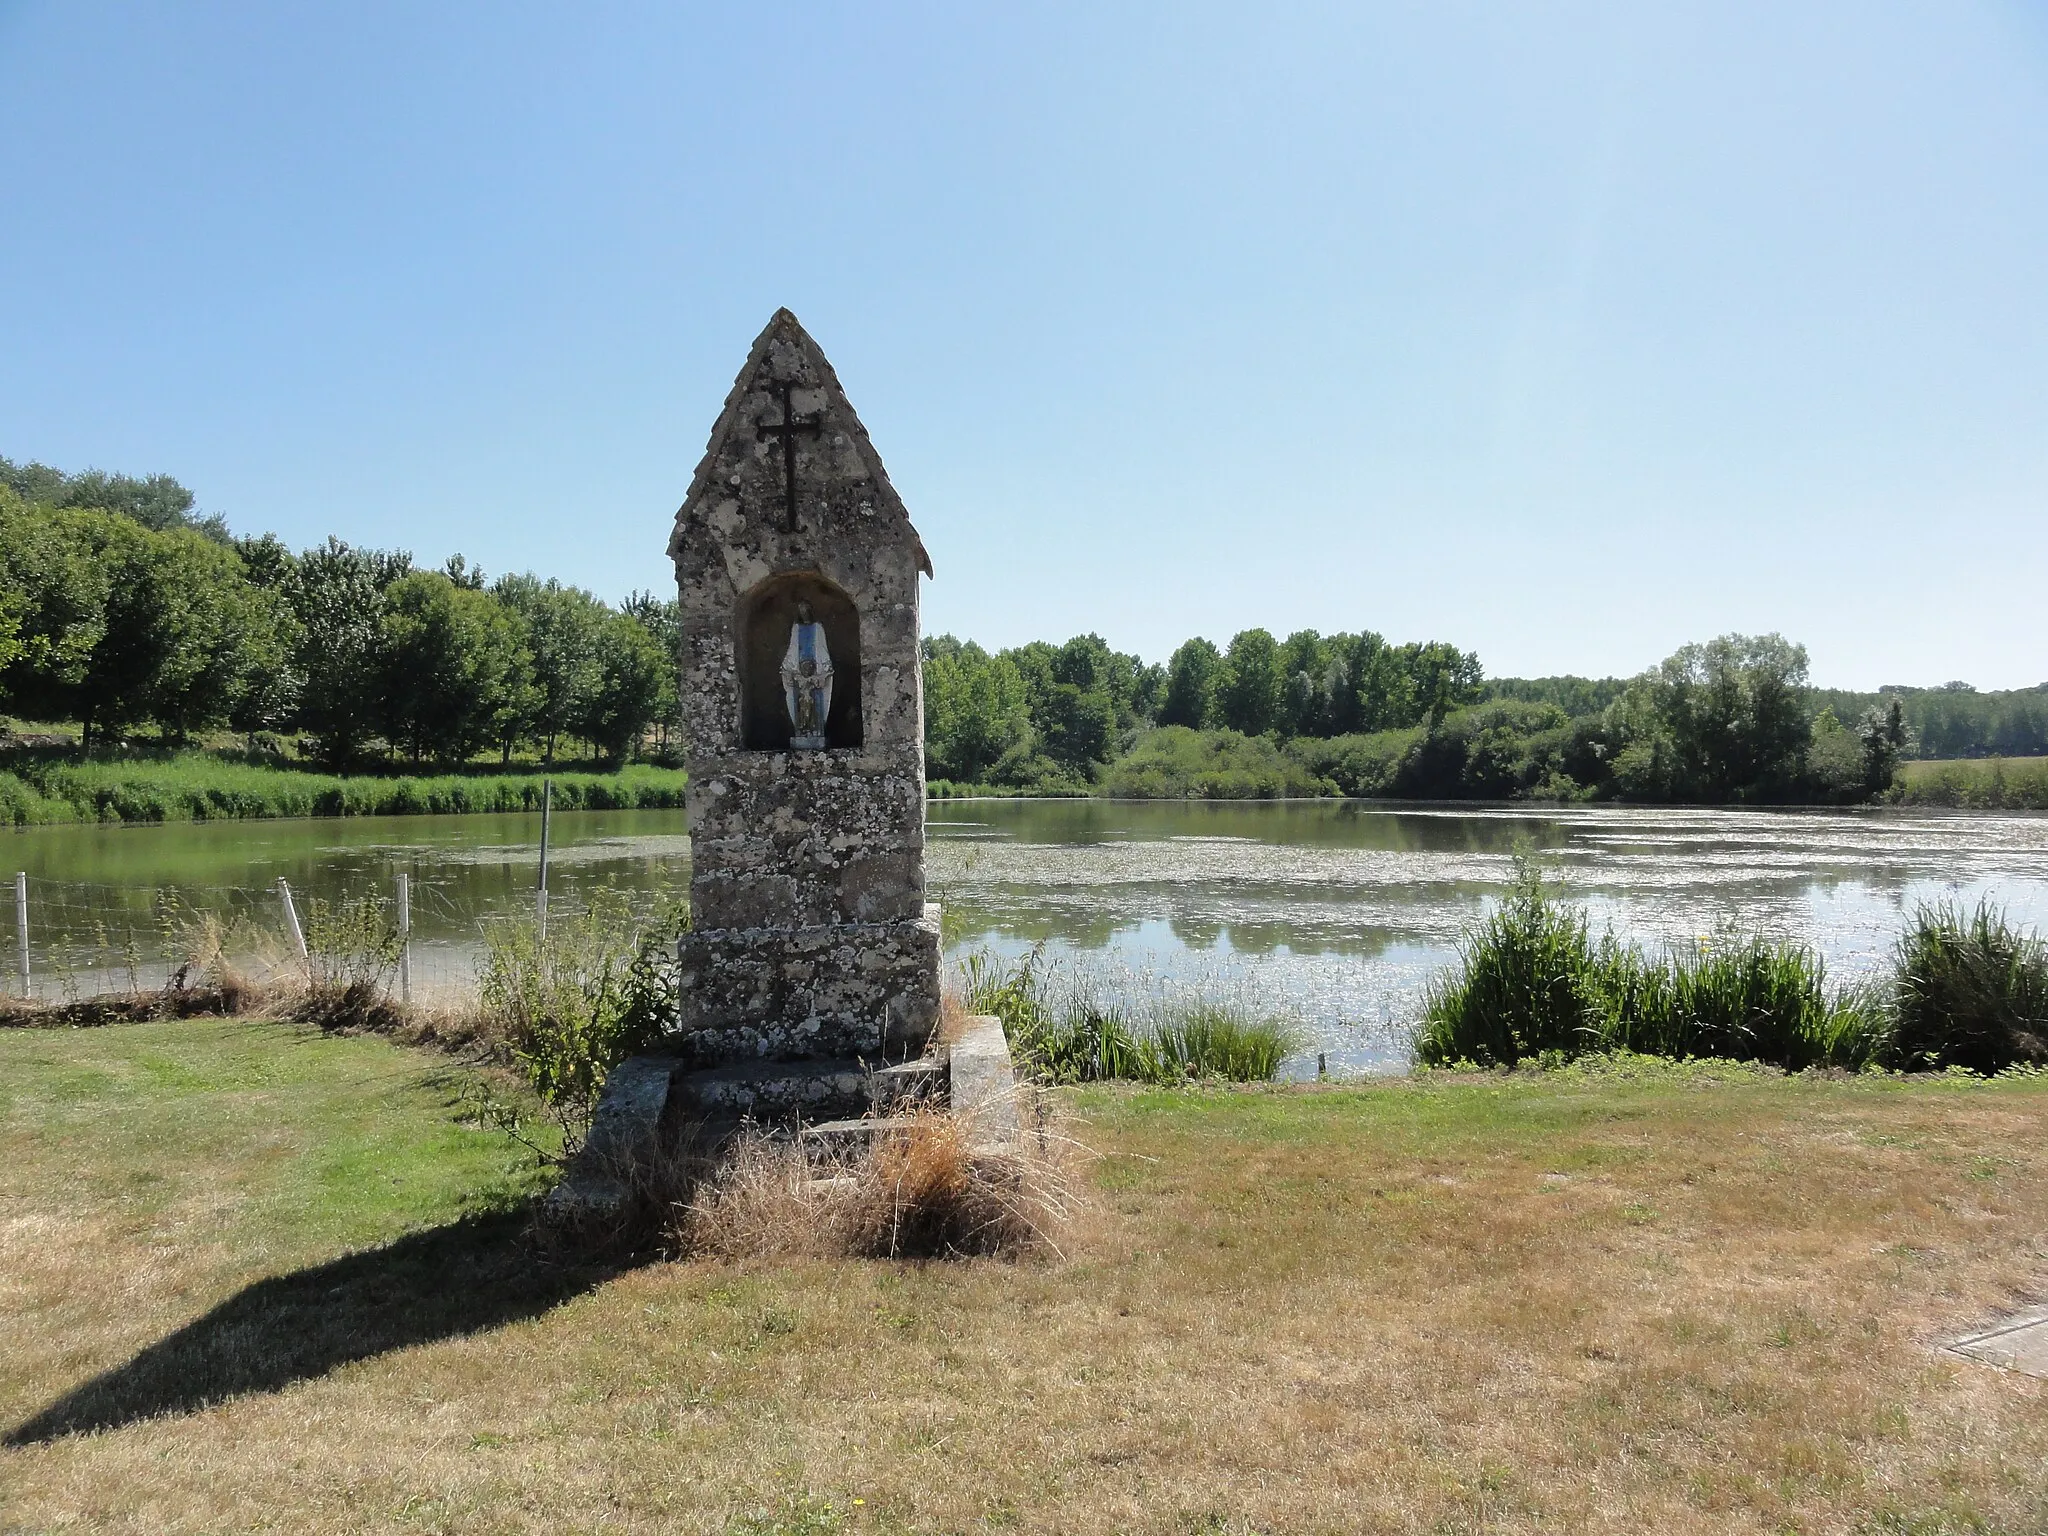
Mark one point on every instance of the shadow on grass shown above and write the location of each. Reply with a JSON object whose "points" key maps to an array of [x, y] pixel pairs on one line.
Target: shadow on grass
{"points": [[469, 1276]]}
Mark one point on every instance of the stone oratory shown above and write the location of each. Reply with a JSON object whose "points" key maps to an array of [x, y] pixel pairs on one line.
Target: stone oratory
{"points": [[810, 983], [812, 939]]}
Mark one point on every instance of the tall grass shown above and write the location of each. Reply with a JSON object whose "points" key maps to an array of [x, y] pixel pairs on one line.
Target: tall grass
{"points": [[1975, 784], [199, 786], [575, 997], [1532, 982], [1078, 1039], [1969, 990]]}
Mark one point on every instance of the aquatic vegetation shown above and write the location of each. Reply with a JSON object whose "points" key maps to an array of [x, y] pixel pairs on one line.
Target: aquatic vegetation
{"points": [[1071, 1037], [1532, 982], [200, 786], [1969, 990], [1976, 784]]}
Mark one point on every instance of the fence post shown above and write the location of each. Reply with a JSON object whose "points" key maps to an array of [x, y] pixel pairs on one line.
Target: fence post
{"points": [[291, 915], [404, 937], [21, 926], [540, 901]]}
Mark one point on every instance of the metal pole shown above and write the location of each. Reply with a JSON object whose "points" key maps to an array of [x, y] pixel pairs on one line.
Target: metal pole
{"points": [[540, 905], [404, 937], [21, 925], [291, 916]]}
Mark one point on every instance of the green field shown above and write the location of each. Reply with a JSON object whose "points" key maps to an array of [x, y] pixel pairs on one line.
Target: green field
{"points": [[260, 1278]]}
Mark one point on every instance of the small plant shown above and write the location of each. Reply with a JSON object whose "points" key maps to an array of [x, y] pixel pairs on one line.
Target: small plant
{"points": [[1207, 1039], [1970, 990], [351, 944], [576, 997], [1525, 983]]}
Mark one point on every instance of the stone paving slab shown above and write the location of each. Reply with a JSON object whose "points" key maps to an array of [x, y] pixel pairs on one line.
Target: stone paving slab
{"points": [[2018, 1343]]}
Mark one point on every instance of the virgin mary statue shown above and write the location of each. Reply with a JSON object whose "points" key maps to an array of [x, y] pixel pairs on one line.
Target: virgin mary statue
{"points": [[807, 681]]}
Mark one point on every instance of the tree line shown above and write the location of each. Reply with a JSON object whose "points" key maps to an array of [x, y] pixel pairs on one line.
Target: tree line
{"points": [[1726, 720], [140, 612], [1046, 715]]}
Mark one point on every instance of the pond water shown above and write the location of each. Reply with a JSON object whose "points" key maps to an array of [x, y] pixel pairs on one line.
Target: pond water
{"points": [[1336, 911]]}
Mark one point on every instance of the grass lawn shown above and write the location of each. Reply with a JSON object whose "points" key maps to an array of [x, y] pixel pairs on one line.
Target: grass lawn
{"points": [[1666, 1300]]}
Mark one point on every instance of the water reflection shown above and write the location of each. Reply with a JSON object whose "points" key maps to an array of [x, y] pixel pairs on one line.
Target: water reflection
{"points": [[1340, 910], [1345, 910]]}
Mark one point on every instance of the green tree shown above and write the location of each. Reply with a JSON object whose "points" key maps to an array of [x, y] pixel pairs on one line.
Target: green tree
{"points": [[561, 633], [663, 619], [1254, 684], [975, 710], [446, 650], [158, 502], [1192, 675], [1305, 698], [1441, 678], [1734, 712], [337, 599], [626, 686], [53, 595]]}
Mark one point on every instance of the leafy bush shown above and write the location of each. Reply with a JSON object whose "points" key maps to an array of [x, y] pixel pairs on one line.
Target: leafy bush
{"points": [[1175, 762], [581, 994], [1969, 991], [351, 943]]}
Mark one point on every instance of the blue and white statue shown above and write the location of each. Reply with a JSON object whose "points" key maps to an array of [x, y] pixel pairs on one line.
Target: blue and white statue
{"points": [[807, 681]]}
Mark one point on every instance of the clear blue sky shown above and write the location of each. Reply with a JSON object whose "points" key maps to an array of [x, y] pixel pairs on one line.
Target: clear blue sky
{"points": [[1566, 333]]}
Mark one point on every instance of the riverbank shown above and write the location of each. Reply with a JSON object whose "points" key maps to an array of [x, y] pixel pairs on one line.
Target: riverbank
{"points": [[1975, 784], [200, 786], [1581, 1300]]}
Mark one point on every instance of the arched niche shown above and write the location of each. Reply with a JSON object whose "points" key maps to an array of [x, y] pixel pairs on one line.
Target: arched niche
{"points": [[761, 633]]}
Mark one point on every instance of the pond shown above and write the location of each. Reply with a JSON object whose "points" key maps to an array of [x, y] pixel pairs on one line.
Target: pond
{"points": [[1337, 912]]}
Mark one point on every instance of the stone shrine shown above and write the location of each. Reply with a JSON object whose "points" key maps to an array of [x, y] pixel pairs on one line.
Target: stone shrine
{"points": [[810, 976], [803, 716]]}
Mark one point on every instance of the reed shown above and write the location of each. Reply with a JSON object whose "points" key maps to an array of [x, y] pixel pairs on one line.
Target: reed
{"points": [[200, 786], [1076, 1038], [1969, 990], [1975, 784], [1532, 983]]}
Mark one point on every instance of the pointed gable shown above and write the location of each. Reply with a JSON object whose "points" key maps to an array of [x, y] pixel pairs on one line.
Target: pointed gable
{"points": [[842, 492]]}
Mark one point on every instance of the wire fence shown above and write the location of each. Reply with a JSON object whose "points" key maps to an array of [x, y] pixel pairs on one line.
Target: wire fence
{"points": [[77, 940]]}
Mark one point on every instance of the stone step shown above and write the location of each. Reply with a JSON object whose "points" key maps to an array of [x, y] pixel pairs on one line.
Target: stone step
{"points": [[831, 1136], [771, 1091], [909, 1082]]}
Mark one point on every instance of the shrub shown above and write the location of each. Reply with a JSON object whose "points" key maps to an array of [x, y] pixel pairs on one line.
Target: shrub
{"points": [[578, 996], [1969, 990], [1175, 762], [1525, 983]]}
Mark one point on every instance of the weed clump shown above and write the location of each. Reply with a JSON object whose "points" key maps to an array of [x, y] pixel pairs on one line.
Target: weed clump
{"points": [[1969, 990], [1531, 983], [930, 1186]]}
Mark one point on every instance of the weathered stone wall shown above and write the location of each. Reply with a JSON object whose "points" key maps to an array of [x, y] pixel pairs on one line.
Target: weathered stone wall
{"points": [[857, 990]]}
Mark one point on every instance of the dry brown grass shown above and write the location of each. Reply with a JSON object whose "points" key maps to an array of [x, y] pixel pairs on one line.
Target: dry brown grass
{"points": [[931, 1187], [1674, 1301]]}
